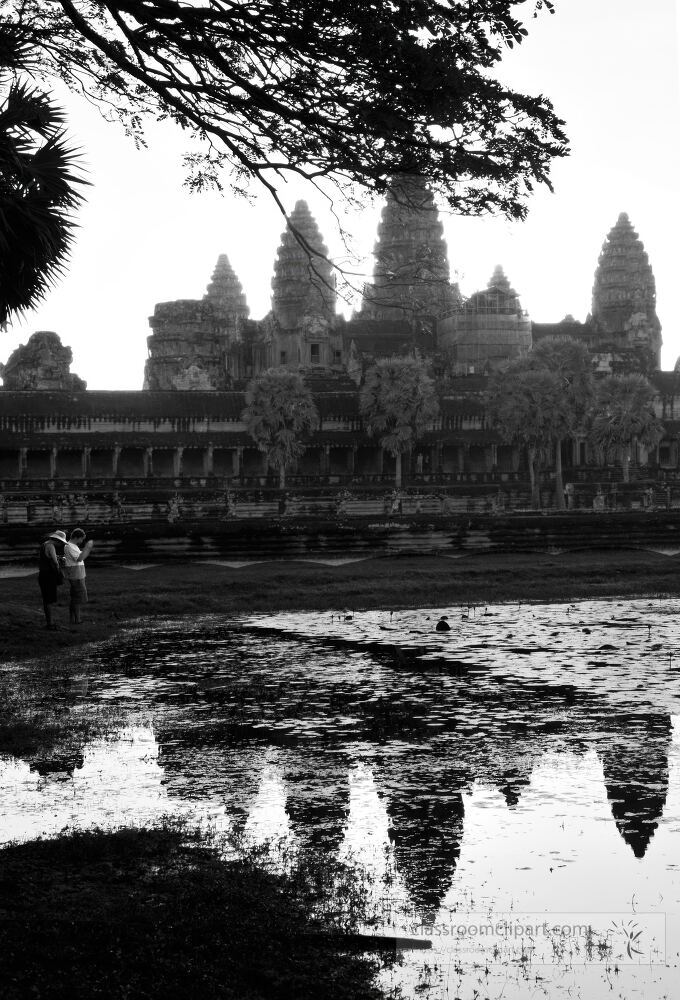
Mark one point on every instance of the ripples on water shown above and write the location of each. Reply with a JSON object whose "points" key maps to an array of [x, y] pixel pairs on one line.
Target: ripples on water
{"points": [[523, 764]]}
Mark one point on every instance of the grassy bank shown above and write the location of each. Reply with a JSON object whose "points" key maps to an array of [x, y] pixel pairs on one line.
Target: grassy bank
{"points": [[119, 595], [143, 914]]}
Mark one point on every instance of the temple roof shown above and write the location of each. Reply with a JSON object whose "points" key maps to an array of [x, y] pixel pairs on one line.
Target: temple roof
{"points": [[498, 298]]}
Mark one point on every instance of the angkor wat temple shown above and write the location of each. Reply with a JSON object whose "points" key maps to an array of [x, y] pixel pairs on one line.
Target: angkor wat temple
{"points": [[183, 431]]}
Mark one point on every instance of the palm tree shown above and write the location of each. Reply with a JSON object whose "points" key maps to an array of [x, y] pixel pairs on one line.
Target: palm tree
{"points": [[38, 195], [397, 402], [623, 412], [279, 412], [571, 362], [523, 405]]}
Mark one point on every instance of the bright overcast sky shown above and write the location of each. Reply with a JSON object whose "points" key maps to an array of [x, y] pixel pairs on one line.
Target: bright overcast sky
{"points": [[611, 70]]}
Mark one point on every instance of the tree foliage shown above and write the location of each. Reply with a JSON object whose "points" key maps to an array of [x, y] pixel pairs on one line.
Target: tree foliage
{"points": [[570, 361], [622, 413], [522, 403], [279, 413], [397, 402], [358, 91], [39, 192]]}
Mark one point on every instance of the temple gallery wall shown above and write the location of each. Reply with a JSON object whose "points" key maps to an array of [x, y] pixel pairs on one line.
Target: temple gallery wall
{"points": [[178, 449]]}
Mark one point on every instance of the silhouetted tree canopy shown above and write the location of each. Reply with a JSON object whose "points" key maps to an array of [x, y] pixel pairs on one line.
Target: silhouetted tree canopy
{"points": [[39, 192], [523, 405], [397, 403], [622, 413], [279, 415], [355, 91]]}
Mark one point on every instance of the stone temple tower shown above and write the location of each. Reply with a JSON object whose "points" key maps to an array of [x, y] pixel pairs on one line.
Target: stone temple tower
{"points": [[227, 298], [191, 338], [303, 282], [300, 327], [623, 320], [490, 329], [411, 276]]}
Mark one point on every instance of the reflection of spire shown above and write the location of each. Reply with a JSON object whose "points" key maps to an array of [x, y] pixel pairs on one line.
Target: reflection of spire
{"points": [[635, 765], [426, 826], [317, 798], [211, 773], [63, 761], [512, 784]]}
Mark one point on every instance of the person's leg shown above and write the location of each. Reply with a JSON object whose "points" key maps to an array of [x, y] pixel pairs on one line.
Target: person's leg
{"points": [[73, 608], [49, 597], [78, 598]]}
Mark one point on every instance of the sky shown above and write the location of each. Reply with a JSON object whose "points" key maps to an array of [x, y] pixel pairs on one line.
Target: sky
{"points": [[611, 69]]}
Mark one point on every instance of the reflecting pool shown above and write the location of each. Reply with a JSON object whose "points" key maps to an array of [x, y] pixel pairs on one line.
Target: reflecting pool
{"points": [[510, 788]]}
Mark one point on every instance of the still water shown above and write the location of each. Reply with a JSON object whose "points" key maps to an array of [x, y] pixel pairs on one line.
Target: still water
{"points": [[510, 789]]}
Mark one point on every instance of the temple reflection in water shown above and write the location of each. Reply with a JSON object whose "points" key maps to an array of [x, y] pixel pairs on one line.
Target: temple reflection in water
{"points": [[421, 781]]}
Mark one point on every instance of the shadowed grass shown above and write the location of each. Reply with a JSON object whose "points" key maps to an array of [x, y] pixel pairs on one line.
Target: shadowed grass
{"points": [[144, 914]]}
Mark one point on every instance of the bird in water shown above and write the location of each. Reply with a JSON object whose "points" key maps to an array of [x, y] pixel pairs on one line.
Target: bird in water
{"points": [[443, 625]]}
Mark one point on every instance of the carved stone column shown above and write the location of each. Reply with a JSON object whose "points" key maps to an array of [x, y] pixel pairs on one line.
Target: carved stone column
{"points": [[85, 462], [208, 464], [53, 462], [236, 462], [115, 462], [148, 462], [177, 462], [23, 461]]}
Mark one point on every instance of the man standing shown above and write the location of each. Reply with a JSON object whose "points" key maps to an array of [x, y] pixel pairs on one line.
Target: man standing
{"points": [[49, 571], [74, 570]]}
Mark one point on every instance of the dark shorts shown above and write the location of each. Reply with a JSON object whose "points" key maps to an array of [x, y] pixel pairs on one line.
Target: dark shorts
{"points": [[78, 592], [48, 587]]}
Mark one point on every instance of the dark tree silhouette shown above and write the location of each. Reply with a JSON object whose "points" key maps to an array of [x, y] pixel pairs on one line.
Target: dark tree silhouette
{"points": [[397, 403], [358, 91], [39, 187], [572, 363], [622, 413], [279, 415]]}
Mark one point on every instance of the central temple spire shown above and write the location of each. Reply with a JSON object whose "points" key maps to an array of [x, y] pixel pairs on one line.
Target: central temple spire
{"points": [[303, 284], [411, 275]]}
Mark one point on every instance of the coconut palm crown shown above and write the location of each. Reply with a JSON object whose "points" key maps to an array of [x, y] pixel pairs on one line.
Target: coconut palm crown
{"points": [[39, 192]]}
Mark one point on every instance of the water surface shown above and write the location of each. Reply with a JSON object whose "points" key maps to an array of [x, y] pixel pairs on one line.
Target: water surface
{"points": [[513, 776]]}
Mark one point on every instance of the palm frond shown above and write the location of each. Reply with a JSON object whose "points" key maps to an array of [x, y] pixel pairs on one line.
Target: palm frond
{"points": [[40, 189]]}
